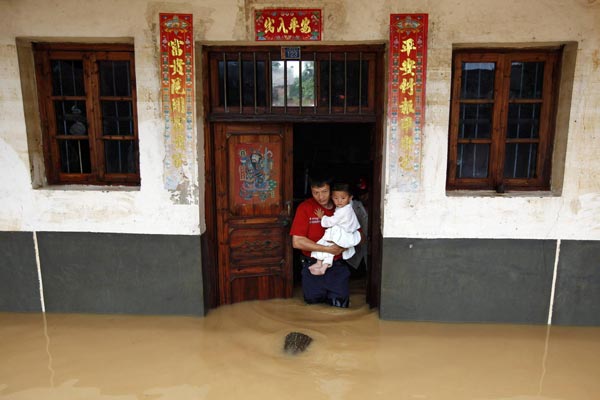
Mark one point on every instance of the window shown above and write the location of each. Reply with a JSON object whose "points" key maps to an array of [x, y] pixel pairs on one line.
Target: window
{"points": [[502, 119], [293, 83], [87, 107], [323, 81]]}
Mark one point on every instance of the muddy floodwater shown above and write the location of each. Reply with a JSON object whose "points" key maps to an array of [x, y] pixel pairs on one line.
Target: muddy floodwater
{"points": [[236, 352]]}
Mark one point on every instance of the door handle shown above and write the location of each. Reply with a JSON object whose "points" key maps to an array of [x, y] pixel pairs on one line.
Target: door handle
{"points": [[288, 211]]}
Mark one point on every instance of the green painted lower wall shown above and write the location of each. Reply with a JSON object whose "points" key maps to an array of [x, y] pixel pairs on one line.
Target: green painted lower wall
{"points": [[19, 284], [105, 273], [490, 280], [449, 280]]}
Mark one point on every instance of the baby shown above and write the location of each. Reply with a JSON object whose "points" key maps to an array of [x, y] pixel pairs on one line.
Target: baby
{"points": [[342, 229]]}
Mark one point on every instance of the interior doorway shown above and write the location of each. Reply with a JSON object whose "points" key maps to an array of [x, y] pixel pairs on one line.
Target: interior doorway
{"points": [[343, 151]]}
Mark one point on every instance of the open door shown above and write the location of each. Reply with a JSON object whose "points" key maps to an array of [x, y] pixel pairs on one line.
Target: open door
{"points": [[253, 183]]}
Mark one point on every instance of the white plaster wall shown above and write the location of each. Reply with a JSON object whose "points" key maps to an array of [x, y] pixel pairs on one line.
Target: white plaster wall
{"points": [[429, 212], [574, 214], [147, 209]]}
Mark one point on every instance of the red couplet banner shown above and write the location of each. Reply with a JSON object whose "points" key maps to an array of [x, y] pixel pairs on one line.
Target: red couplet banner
{"points": [[406, 102], [177, 88]]}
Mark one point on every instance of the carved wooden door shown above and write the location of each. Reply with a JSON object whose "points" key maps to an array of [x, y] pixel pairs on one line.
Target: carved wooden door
{"points": [[253, 179]]}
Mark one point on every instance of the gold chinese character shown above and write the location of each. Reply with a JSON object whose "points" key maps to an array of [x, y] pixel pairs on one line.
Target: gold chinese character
{"points": [[406, 124], [406, 107], [407, 67], [177, 66], [269, 25], [178, 104], [408, 45], [177, 160], [294, 24], [407, 85], [282, 26], [179, 141], [405, 158], [176, 87], [176, 49], [305, 25], [178, 124]]}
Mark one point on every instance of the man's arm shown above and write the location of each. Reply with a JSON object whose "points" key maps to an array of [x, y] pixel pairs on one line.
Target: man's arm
{"points": [[363, 237], [304, 243]]}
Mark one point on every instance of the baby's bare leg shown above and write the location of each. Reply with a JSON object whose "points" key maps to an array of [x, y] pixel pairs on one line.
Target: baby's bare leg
{"points": [[324, 268], [316, 268]]}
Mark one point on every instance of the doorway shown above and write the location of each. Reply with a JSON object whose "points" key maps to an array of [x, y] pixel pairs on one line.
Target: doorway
{"points": [[343, 151], [271, 121]]}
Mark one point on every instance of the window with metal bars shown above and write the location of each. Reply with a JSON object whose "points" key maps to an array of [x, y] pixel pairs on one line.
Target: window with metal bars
{"points": [[325, 80], [87, 107], [502, 119]]}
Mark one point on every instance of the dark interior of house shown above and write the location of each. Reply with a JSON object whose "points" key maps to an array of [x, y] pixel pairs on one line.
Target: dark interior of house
{"points": [[342, 151]]}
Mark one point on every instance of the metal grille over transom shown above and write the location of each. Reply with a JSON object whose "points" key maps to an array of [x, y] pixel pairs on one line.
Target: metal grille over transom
{"points": [[323, 81]]}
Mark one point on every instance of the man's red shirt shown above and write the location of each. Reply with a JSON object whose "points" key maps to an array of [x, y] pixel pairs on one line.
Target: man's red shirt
{"points": [[307, 224]]}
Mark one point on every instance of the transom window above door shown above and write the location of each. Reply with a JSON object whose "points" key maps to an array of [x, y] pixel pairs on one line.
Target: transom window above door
{"points": [[322, 81]]}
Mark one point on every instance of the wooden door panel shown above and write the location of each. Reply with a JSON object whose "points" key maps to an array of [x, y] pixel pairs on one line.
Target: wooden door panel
{"points": [[254, 194], [257, 288], [257, 246]]}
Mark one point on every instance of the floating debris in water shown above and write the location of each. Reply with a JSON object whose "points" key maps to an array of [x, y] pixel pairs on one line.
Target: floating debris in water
{"points": [[296, 342]]}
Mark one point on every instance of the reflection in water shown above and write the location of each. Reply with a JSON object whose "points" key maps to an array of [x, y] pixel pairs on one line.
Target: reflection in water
{"points": [[48, 350], [236, 352]]}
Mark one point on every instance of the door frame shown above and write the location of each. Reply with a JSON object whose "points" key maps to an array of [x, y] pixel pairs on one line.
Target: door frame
{"points": [[209, 239]]}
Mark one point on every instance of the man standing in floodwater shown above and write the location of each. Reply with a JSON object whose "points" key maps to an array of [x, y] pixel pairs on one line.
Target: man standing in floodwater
{"points": [[333, 286]]}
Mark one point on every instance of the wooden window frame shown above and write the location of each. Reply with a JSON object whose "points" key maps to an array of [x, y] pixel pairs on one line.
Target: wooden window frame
{"points": [[90, 55], [498, 140]]}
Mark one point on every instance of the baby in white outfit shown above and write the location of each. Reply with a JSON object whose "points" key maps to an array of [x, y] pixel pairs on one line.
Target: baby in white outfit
{"points": [[342, 229]]}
